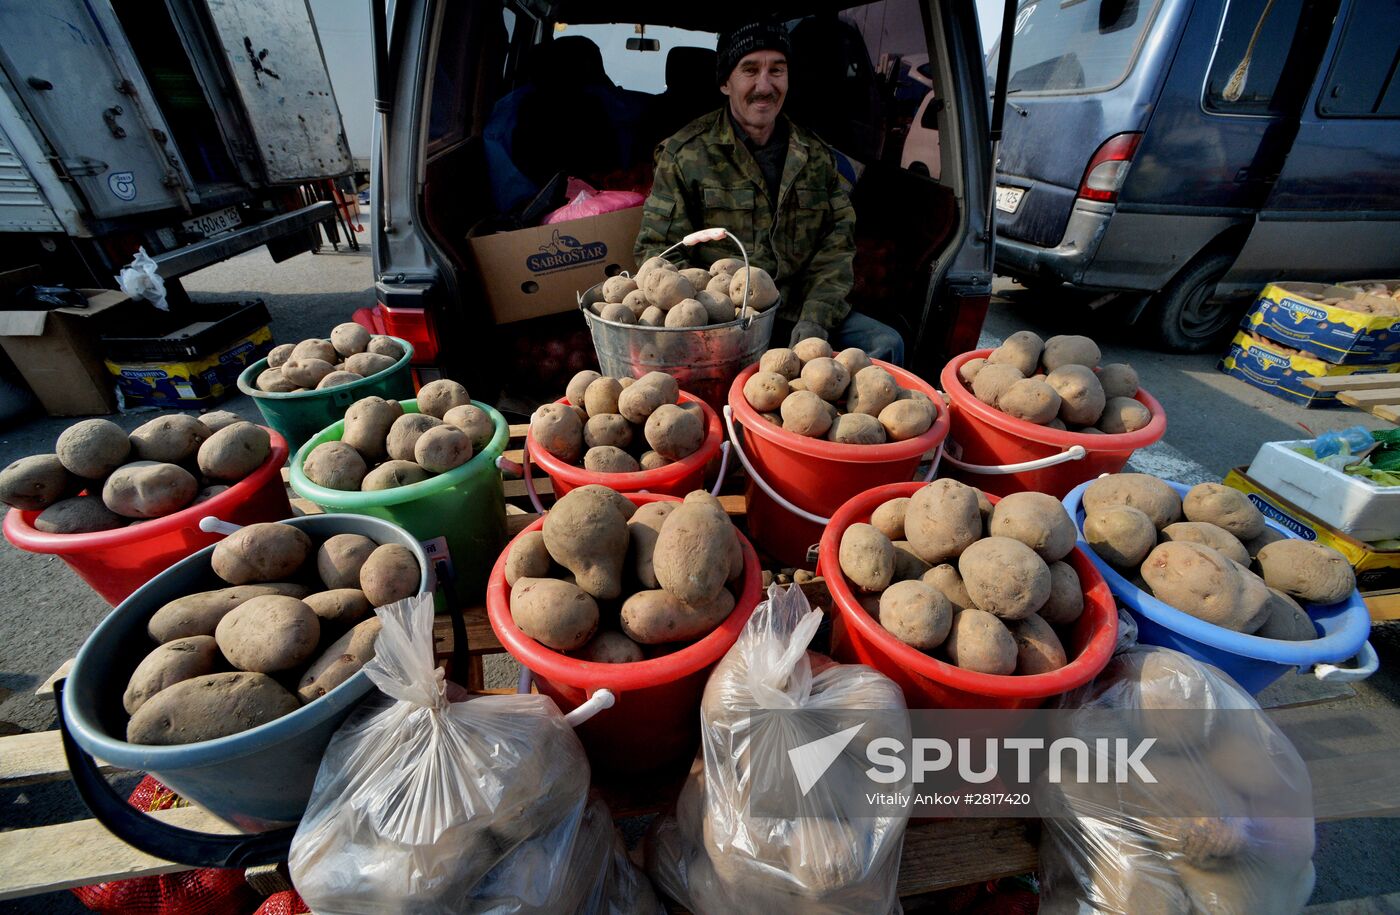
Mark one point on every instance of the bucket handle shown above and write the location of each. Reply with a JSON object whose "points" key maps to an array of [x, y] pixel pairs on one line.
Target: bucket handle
{"points": [[716, 233], [211, 525], [172, 843], [1367, 663], [1072, 453], [522, 470], [601, 699]]}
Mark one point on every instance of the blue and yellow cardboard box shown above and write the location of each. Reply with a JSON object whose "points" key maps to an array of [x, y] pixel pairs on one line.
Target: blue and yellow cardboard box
{"points": [[1275, 369], [1300, 315]]}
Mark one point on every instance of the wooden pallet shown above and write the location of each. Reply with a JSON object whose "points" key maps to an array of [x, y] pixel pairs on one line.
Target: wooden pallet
{"points": [[1377, 394]]}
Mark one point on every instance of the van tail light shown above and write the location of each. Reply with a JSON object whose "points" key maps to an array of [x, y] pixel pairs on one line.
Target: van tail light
{"points": [[1108, 169], [412, 324]]}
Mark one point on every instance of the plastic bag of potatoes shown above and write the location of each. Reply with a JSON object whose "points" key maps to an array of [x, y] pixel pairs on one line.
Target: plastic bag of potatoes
{"points": [[426, 802], [1228, 826], [714, 854]]}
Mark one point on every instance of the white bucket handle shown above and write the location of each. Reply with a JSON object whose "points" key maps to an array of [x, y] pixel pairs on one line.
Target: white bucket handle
{"points": [[600, 700], [1367, 663], [1073, 453], [703, 236], [211, 525], [522, 469]]}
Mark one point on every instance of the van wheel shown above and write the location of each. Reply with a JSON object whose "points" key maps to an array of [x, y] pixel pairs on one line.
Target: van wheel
{"points": [[1183, 318]]}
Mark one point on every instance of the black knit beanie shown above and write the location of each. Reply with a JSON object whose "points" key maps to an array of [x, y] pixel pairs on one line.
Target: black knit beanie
{"points": [[737, 44]]}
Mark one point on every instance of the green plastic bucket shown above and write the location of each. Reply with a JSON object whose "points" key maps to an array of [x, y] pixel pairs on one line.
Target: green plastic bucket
{"points": [[302, 414], [459, 516]]}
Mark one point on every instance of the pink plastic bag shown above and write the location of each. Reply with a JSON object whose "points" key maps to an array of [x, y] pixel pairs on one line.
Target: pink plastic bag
{"points": [[586, 200]]}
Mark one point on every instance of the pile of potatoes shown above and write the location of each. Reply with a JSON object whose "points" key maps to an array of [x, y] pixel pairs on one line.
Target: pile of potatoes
{"points": [[614, 582], [1222, 564], [296, 621], [100, 478], [1058, 383], [383, 447], [842, 397], [1371, 299], [663, 295], [620, 425], [979, 586], [350, 354]]}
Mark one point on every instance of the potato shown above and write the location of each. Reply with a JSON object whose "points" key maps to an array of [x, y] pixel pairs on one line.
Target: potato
{"points": [[169, 664], [942, 519], [1226, 508], [442, 448], [855, 361], [804, 413], [907, 564], [1082, 397], [946, 580], [698, 276], [306, 373], [341, 661], [867, 557], [667, 288], [1255, 544], [336, 379], [315, 348], [1037, 520], [370, 363], [1308, 571], [781, 361], [994, 381], [260, 552], [339, 559], [1066, 601], [601, 396], [93, 448], [380, 345], [1200, 581], [888, 518], [1005, 577], [168, 439], [349, 338], [34, 483], [694, 553], [393, 474], [617, 288], [367, 425], [718, 308], [636, 302], [475, 422], [871, 390], [1123, 414], [273, 382], [208, 707], [689, 313], [719, 286], [761, 291], [610, 459], [437, 397], [578, 386], [618, 313], [765, 391], [280, 354], [674, 433], [340, 607], [916, 613], [856, 429], [979, 641], [587, 534], [1209, 535], [969, 369], [234, 452], [657, 617], [644, 529], [730, 265], [1139, 490], [1286, 620], [652, 316], [1022, 349], [611, 648], [405, 432], [650, 460], [1118, 380], [812, 348], [557, 429], [209, 492], [639, 401], [1122, 536], [1038, 648], [268, 634], [527, 558], [390, 573], [906, 419], [78, 515], [607, 429], [1031, 400], [149, 489], [1070, 350], [335, 465], [199, 614], [826, 378], [555, 613]]}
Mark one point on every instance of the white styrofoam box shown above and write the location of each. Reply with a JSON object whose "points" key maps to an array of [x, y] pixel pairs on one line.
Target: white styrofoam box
{"points": [[1353, 505]]}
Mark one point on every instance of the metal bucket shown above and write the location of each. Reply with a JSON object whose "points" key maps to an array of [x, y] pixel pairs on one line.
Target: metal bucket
{"points": [[703, 360]]}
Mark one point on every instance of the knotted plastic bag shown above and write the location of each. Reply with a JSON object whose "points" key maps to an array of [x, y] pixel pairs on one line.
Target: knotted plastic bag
{"points": [[140, 280], [427, 802], [1227, 828], [713, 855]]}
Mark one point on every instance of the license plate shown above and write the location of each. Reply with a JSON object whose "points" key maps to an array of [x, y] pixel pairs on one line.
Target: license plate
{"points": [[1009, 198], [228, 218]]}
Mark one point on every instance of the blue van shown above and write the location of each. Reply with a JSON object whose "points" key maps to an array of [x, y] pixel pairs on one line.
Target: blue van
{"points": [[1186, 152]]}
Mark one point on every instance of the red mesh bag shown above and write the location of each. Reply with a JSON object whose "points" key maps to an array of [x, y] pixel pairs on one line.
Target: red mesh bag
{"points": [[207, 891], [287, 902]]}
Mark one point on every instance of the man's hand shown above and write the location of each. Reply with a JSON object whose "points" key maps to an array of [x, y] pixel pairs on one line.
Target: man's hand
{"points": [[804, 329]]}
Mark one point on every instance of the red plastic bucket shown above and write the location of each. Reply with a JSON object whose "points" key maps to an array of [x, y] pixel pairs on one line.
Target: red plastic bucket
{"points": [[116, 563], [1002, 454], [655, 721], [813, 476], [675, 479], [857, 638]]}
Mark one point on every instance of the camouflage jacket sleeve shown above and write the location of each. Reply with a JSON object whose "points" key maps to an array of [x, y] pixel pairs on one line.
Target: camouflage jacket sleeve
{"points": [[665, 216], [830, 275]]}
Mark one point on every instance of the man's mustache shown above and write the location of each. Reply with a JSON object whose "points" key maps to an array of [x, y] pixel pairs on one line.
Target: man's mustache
{"points": [[754, 97]]}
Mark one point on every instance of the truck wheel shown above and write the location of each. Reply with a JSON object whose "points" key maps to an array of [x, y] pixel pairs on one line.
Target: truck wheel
{"points": [[1183, 318]]}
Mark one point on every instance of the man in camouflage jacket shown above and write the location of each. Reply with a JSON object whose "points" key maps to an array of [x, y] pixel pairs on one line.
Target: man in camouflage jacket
{"points": [[775, 186]]}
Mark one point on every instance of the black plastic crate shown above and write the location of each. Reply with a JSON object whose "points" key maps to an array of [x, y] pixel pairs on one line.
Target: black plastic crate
{"points": [[169, 336]]}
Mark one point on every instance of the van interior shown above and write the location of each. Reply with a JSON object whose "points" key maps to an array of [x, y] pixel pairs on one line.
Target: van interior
{"points": [[587, 90]]}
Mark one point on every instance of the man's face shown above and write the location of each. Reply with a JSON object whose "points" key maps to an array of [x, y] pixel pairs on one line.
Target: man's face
{"points": [[757, 87]]}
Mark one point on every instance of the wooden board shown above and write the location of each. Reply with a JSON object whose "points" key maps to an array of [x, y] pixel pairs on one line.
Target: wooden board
{"points": [[949, 853], [1366, 382], [1371, 398], [28, 759], [1384, 605]]}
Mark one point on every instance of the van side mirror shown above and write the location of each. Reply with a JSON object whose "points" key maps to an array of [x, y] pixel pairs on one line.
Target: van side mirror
{"points": [[643, 44]]}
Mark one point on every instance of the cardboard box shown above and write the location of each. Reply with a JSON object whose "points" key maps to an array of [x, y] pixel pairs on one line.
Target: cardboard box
{"points": [[193, 383], [1352, 505], [1272, 368], [1294, 315], [529, 273], [1376, 570], [59, 353]]}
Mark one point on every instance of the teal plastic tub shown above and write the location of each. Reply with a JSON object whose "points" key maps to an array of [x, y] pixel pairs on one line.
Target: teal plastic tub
{"points": [[458, 516], [302, 414]]}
